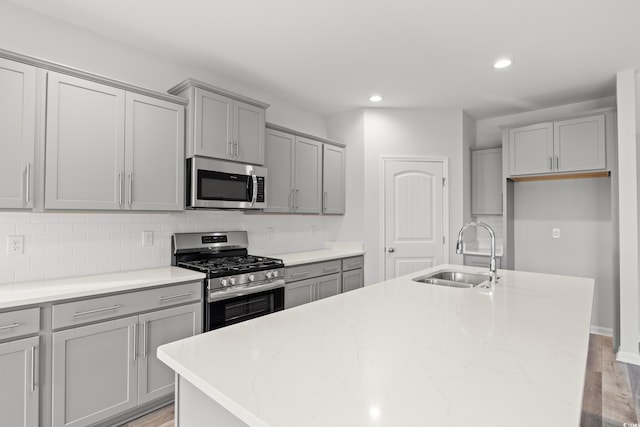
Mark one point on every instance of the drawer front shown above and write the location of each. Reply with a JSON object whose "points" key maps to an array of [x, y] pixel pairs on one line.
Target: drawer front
{"points": [[352, 263], [104, 308], [308, 271], [19, 322]]}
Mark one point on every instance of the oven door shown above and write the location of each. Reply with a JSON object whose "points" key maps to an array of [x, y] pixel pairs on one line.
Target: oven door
{"points": [[219, 184], [235, 307]]}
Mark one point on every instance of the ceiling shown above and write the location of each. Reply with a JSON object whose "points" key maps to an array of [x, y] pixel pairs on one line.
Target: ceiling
{"points": [[328, 56]]}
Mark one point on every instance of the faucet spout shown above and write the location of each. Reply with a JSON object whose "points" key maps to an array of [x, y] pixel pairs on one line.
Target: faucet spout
{"points": [[493, 275]]}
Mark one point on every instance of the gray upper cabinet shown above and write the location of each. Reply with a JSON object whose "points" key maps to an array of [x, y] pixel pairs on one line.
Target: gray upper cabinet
{"points": [[17, 133], [154, 154], [486, 181], [308, 172], [111, 149], [333, 180], [84, 144], [572, 145], [222, 124], [279, 158], [294, 165]]}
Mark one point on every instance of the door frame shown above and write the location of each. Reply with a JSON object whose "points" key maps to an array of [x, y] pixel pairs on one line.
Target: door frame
{"points": [[445, 201]]}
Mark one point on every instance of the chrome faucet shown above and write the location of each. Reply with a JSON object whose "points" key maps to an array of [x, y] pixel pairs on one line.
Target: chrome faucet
{"points": [[493, 275]]}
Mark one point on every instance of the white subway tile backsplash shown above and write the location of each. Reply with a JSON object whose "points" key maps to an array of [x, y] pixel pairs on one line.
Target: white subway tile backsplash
{"points": [[71, 244]]}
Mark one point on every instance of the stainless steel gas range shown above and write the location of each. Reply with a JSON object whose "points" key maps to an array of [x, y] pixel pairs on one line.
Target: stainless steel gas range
{"points": [[238, 286]]}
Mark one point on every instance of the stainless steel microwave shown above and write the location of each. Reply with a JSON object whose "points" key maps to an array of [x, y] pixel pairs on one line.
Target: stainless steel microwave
{"points": [[218, 184]]}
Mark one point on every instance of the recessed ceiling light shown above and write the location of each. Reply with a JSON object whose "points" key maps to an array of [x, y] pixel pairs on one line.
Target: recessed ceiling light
{"points": [[502, 63], [375, 98]]}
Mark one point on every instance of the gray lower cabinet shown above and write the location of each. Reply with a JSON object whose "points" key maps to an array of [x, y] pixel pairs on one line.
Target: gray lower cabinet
{"points": [[353, 279], [100, 370], [19, 389], [305, 291]]}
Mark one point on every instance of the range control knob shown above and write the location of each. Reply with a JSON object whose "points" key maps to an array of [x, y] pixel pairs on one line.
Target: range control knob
{"points": [[232, 281], [269, 274], [275, 273], [223, 282], [252, 277]]}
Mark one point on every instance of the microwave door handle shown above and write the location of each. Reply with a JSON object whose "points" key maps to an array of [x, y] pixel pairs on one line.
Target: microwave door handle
{"points": [[254, 196]]}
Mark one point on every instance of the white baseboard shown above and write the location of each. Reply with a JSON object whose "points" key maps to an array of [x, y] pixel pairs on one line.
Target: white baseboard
{"points": [[598, 330]]}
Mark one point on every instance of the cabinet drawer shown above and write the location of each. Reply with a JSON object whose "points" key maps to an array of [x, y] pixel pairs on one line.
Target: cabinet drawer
{"points": [[352, 263], [308, 271], [19, 322], [94, 309]]}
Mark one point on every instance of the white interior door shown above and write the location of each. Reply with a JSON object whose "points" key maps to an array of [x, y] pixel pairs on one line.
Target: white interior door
{"points": [[414, 219]]}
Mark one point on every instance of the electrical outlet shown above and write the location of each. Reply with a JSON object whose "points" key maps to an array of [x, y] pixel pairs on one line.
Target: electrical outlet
{"points": [[15, 245], [147, 238], [555, 233]]}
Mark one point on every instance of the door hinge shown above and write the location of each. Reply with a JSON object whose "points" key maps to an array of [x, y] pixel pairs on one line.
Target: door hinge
{"points": [[444, 181]]}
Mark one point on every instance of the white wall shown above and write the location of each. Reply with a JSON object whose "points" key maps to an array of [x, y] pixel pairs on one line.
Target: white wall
{"points": [[71, 244], [403, 132]]}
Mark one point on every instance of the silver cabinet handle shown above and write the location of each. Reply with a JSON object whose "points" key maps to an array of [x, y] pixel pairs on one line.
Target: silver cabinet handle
{"points": [[97, 310], [230, 148], [324, 201], [551, 162], [291, 200], [120, 188], [557, 162], [186, 294], [135, 342], [33, 368], [297, 199], [13, 325], [295, 275], [391, 250], [237, 144], [28, 192], [144, 339], [130, 178]]}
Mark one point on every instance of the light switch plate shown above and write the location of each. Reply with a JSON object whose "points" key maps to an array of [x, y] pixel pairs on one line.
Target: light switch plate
{"points": [[15, 245]]}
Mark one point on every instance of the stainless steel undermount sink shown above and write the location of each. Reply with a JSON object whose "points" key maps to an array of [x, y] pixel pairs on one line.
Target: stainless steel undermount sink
{"points": [[455, 279]]}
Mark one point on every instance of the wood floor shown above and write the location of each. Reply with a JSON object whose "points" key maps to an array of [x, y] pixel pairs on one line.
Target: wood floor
{"points": [[611, 392]]}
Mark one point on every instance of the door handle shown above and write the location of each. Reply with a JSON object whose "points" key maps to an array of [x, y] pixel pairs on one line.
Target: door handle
{"points": [[144, 340], [391, 250], [130, 187], [33, 368]]}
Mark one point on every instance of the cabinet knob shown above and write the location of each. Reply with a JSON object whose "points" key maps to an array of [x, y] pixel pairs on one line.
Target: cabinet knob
{"points": [[391, 250]]}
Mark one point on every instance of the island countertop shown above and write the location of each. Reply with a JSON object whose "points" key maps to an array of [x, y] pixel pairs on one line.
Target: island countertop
{"points": [[402, 353]]}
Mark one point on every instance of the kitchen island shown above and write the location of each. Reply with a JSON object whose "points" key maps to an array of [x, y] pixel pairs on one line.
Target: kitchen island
{"points": [[398, 353]]}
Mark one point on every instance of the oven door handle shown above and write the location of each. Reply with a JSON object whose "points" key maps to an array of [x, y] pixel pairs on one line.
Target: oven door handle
{"points": [[241, 291]]}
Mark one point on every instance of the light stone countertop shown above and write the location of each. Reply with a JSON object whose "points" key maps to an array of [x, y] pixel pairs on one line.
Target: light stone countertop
{"points": [[333, 250], [44, 291], [402, 353]]}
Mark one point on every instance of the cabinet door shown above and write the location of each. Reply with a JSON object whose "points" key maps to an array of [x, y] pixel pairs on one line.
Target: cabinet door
{"points": [[308, 170], [155, 379], [94, 372], [248, 133], [279, 160], [333, 180], [19, 386], [154, 154], [298, 293], [353, 279], [486, 182], [531, 149], [84, 144], [213, 121], [17, 133], [580, 144], [329, 285]]}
